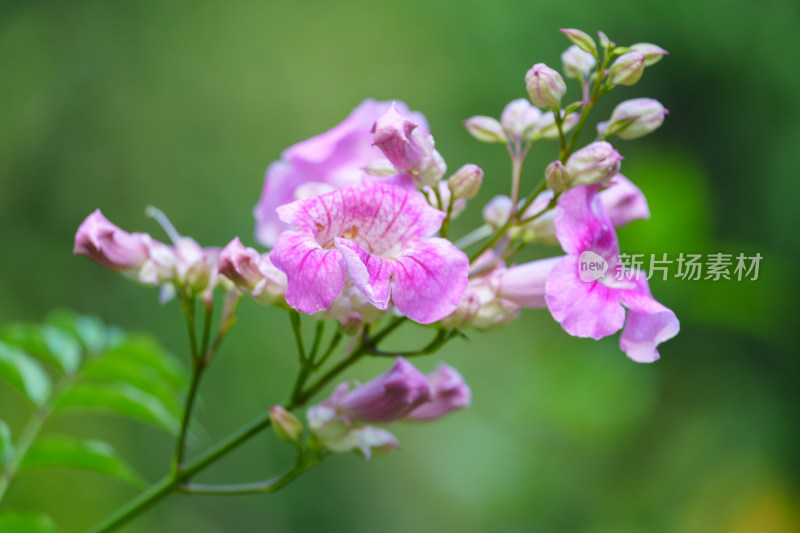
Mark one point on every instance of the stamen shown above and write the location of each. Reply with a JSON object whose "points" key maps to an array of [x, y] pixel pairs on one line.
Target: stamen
{"points": [[159, 216]]}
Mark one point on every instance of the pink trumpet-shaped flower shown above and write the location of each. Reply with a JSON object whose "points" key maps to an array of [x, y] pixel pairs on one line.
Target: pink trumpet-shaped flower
{"points": [[594, 305], [331, 160], [108, 245], [380, 237], [449, 392]]}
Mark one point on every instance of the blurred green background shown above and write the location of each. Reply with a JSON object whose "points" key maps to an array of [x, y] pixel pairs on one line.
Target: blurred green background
{"points": [[182, 105]]}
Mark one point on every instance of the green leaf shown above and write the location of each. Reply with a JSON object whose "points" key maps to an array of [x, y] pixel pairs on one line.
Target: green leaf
{"points": [[122, 399], [48, 343], [89, 330], [60, 451], [117, 366], [24, 373], [6, 443], [147, 351], [14, 522]]}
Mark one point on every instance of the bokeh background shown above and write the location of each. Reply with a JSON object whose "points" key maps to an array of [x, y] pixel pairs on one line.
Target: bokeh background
{"points": [[183, 104]]}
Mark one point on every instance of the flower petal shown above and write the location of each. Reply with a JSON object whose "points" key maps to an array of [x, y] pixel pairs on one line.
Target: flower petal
{"points": [[429, 279], [649, 323], [582, 225], [584, 309], [370, 274], [623, 201], [314, 276], [525, 284]]}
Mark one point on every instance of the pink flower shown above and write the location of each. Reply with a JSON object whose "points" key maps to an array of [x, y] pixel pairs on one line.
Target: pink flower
{"points": [[252, 272], [333, 159], [593, 306], [108, 245], [410, 150], [380, 237], [623, 201], [449, 392], [342, 422]]}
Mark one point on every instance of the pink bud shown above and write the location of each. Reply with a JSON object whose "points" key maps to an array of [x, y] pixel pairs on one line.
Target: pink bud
{"points": [[556, 176], [448, 393], [386, 398], [545, 86], [519, 118], [581, 39], [252, 272], [627, 69], [109, 246], [485, 129], [652, 53], [595, 163], [408, 149], [634, 118], [466, 182], [577, 63], [286, 426]]}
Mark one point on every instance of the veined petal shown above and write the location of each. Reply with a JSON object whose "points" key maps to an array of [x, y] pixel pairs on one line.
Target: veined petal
{"points": [[429, 280], [649, 323], [315, 276], [584, 309], [623, 201], [525, 284], [370, 274], [582, 225]]}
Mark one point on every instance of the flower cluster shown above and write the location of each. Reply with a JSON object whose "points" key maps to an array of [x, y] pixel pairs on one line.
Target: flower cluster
{"points": [[356, 221]]}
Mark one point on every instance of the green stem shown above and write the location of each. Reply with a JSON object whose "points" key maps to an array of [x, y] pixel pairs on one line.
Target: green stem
{"points": [[441, 338], [31, 431], [337, 337], [294, 318], [198, 366], [173, 481]]}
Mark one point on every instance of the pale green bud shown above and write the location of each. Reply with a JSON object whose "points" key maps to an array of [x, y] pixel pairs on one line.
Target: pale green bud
{"points": [[466, 182], [485, 129], [581, 39], [652, 53], [627, 69], [545, 86], [286, 426]]}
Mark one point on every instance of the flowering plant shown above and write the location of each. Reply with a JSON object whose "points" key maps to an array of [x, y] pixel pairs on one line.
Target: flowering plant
{"points": [[356, 223]]}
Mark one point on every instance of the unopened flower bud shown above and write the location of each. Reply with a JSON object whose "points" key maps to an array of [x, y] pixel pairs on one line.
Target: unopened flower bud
{"points": [[497, 211], [108, 245], [595, 163], [605, 42], [652, 53], [545, 86], [252, 272], [627, 69], [634, 118], [485, 129], [519, 118], [286, 426], [581, 39], [466, 182], [408, 149], [577, 63], [556, 177], [449, 392], [546, 126], [386, 398], [602, 129]]}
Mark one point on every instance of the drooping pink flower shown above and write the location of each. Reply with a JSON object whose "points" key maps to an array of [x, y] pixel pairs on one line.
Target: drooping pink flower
{"points": [[380, 237], [449, 392], [333, 159], [108, 245], [342, 422], [588, 290]]}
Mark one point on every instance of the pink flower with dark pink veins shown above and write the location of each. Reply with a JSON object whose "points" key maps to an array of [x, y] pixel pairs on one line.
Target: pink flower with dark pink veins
{"points": [[379, 236], [588, 291], [328, 161]]}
